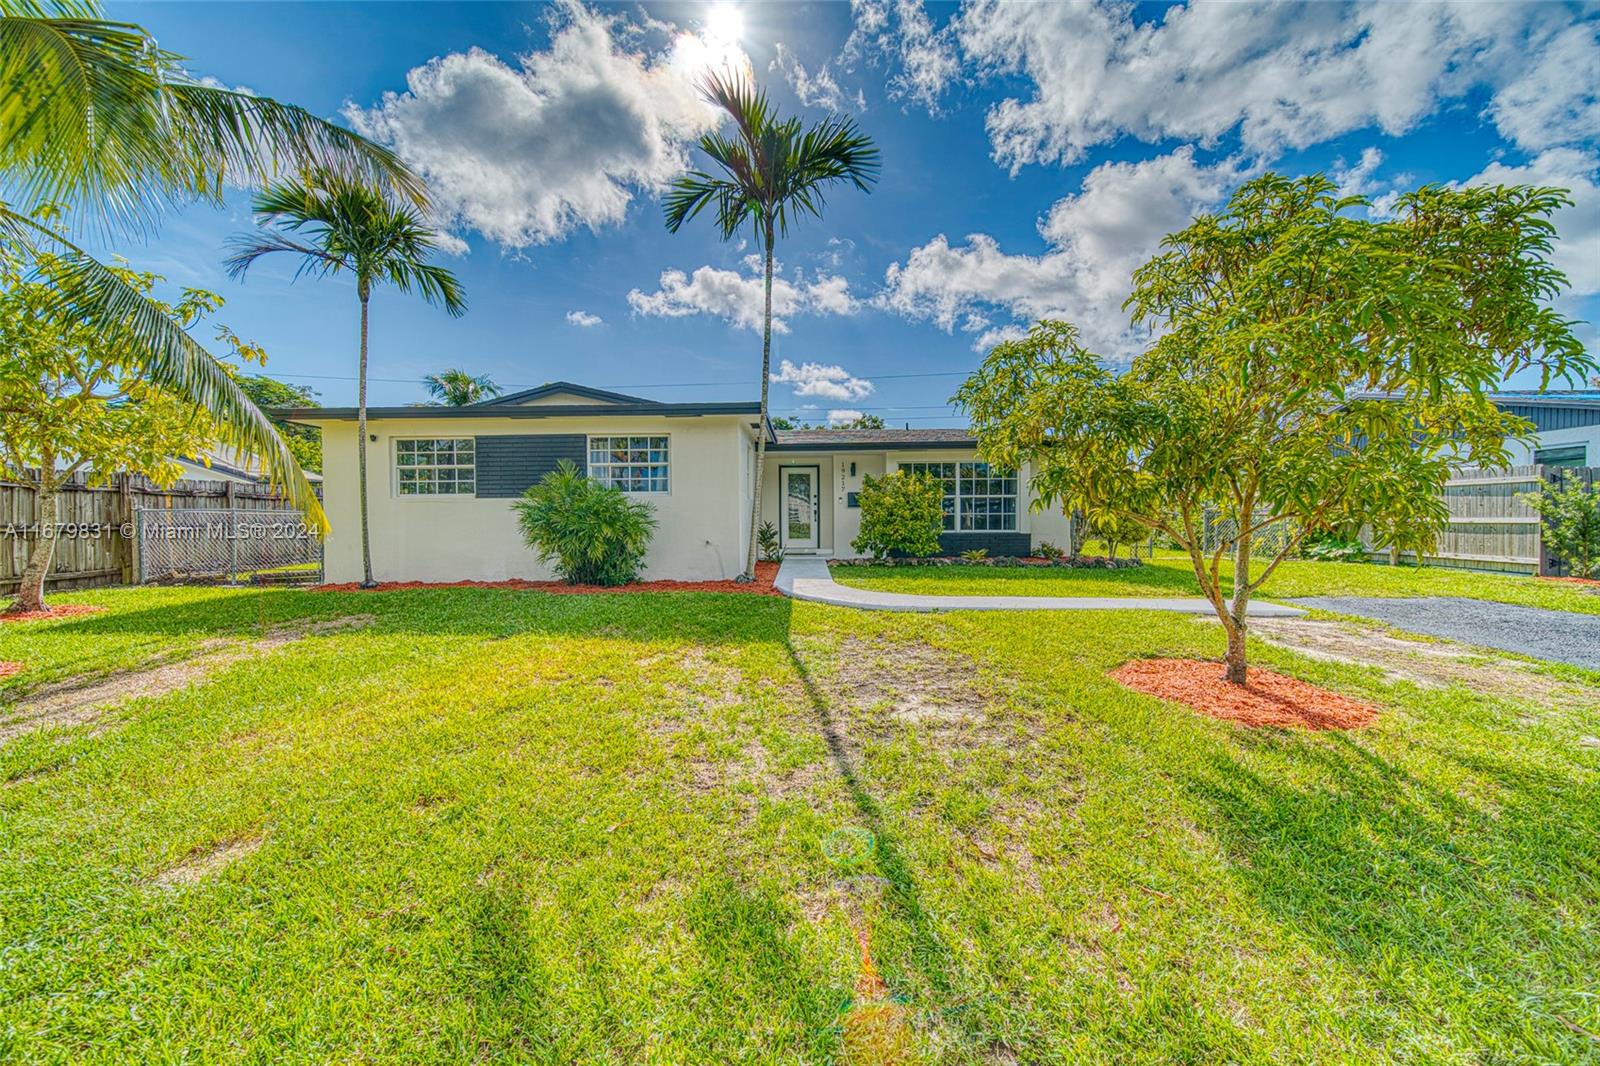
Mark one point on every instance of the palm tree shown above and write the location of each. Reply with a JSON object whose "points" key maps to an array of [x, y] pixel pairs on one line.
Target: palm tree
{"points": [[350, 226], [457, 388], [772, 169], [95, 116]]}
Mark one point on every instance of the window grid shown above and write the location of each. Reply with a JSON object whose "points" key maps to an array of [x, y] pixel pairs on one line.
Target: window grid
{"points": [[444, 466], [976, 498], [632, 464]]}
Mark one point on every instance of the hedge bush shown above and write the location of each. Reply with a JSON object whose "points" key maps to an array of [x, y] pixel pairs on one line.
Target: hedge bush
{"points": [[900, 512], [589, 533]]}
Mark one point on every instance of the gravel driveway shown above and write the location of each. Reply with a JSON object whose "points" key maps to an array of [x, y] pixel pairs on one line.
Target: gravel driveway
{"points": [[1555, 636]]}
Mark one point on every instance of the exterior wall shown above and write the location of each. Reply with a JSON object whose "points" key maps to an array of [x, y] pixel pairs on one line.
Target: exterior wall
{"points": [[841, 523], [1522, 454], [453, 538]]}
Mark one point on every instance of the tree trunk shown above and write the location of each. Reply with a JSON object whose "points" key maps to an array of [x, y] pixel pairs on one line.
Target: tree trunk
{"points": [[30, 593], [761, 431], [361, 441], [1235, 623]]}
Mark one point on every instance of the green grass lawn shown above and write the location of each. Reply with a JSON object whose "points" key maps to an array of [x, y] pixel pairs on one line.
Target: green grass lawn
{"points": [[520, 827], [1171, 574]]}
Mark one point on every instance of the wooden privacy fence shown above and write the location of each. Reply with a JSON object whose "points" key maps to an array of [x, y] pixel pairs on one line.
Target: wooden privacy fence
{"points": [[1490, 526], [95, 523]]}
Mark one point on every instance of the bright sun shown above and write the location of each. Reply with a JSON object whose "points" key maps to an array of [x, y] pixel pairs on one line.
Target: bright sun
{"points": [[724, 23]]}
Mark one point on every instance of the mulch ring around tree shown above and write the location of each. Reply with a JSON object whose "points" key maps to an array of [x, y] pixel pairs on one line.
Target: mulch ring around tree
{"points": [[761, 586], [7, 668], [1267, 700], [63, 610]]}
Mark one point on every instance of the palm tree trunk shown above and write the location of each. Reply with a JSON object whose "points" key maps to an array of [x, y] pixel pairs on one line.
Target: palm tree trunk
{"points": [[30, 590], [361, 442], [761, 430]]}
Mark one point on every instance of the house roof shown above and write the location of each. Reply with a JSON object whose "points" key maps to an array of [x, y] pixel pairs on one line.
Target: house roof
{"points": [[315, 415], [1550, 397], [560, 388], [830, 440]]}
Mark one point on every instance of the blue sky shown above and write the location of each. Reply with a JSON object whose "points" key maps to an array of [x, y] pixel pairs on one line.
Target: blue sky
{"points": [[1033, 154]]}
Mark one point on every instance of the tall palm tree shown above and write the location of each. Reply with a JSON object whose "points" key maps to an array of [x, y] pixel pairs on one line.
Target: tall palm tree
{"points": [[335, 225], [771, 170], [457, 388], [95, 116]]}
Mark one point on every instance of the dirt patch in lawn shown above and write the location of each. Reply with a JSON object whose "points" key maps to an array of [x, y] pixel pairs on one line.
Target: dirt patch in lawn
{"points": [[203, 863], [72, 703], [1429, 664], [7, 668], [761, 586], [1267, 699], [914, 684], [64, 610]]}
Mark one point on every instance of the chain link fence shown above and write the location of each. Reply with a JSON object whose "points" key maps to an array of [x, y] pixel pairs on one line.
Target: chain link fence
{"points": [[1266, 542], [205, 544]]}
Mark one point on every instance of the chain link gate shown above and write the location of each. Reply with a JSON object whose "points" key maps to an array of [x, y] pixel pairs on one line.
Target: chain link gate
{"points": [[219, 544], [1266, 542]]}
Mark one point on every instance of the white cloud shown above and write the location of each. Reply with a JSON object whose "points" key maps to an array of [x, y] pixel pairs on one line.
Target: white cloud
{"points": [[903, 33], [583, 319], [839, 416], [1282, 75], [1095, 240], [1556, 99], [816, 88], [1356, 179], [564, 139], [739, 298], [816, 379]]}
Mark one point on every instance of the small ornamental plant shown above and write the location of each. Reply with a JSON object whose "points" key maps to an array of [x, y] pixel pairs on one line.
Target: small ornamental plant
{"points": [[1571, 519], [900, 513], [589, 533]]}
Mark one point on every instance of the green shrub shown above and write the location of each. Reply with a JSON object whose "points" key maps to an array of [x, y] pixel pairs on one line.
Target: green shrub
{"points": [[1332, 548], [767, 543], [1571, 519], [900, 512], [1047, 550], [590, 533], [975, 555]]}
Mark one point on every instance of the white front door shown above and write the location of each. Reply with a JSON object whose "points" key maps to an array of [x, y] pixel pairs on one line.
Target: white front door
{"points": [[797, 491]]}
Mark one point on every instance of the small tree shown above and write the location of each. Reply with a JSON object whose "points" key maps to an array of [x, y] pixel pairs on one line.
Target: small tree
{"points": [[1571, 519], [76, 396], [305, 442], [900, 512], [592, 534], [1116, 530], [1309, 366]]}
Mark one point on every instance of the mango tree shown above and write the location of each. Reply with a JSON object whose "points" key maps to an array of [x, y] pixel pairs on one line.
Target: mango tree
{"points": [[1310, 365]]}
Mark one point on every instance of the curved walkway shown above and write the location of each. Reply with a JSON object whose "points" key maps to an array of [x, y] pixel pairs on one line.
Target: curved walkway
{"points": [[806, 577]]}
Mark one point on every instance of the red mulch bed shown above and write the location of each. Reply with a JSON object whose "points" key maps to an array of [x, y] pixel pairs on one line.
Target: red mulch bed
{"points": [[1267, 699], [1587, 582], [60, 611], [761, 586], [7, 668]]}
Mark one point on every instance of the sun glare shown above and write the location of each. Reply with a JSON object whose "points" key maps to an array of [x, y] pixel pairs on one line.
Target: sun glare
{"points": [[725, 23]]}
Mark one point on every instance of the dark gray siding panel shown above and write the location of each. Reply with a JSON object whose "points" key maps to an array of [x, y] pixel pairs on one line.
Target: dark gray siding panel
{"points": [[508, 465], [1010, 545], [1546, 418]]}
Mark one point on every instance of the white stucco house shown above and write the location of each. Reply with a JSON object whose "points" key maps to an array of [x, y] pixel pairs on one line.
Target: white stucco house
{"points": [[441, 481]]}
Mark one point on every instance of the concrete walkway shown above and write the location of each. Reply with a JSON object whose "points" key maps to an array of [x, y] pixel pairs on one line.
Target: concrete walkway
{"points": [[806, 577]]}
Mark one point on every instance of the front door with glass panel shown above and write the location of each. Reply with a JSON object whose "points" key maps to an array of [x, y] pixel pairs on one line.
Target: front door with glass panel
{"points": [[797, 490]]}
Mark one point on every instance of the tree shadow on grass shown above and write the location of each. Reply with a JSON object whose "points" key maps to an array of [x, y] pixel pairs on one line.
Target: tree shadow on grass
{"points": [[930, 956], [1464, 909]]}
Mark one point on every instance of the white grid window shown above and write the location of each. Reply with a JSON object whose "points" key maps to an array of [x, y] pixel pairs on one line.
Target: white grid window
{"points": [[976, 497], [436, 467], [632, 464]]}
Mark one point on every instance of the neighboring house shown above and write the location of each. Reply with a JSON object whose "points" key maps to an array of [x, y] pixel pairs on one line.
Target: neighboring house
{"points": [[1566, 423], [441, 481], [227, 464]]}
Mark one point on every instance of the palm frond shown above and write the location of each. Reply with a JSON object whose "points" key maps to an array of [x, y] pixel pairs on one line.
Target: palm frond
{"points": [[93, 114]]}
